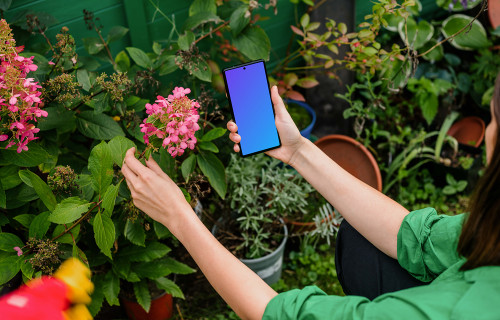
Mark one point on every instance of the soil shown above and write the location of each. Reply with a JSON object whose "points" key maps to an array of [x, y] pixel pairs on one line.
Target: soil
{"points": [[229, 235], [300, 116]]}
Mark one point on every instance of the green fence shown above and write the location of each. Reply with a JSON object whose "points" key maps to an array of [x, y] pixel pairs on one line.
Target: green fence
{"points": [[147, 20]]}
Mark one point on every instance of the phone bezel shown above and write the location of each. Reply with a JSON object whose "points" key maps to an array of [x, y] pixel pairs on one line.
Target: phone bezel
{"points": [[231, 105]]}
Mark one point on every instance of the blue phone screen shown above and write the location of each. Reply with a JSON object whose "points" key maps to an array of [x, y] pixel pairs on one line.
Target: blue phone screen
{"points": [[248, 91]]}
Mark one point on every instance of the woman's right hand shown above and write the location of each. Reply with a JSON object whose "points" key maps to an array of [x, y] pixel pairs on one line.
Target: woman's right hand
{"points": [[291, 139]]}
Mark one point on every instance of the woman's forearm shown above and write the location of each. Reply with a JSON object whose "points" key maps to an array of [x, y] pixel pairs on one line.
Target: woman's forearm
{"points": [[246, 293], [376, 216]]}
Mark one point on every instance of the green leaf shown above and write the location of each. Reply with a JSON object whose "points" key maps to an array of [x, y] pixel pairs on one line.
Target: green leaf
{"points": [[168, 66], [429, 105], [40, 225], [27, 268], [214, 170], [33, 157], [19, 196], [93, 45], [170, 287], [142, 294], [98, 294], [160, 230], [109, 198], [304, 20], [82, 76], [122, 61], [186, 40], [177, 267], [98, 126], [140, 57], [104, 232], [59, 118], [472, 38], [209, 146], [10, 266], [253, 43], [3, 198], [152, 270], [116, 33], [101, 167], [214, 134], [202, 6], [418, 34], [436, 54], [154, 250], [239, 20], [135, 233], [9, 175], [461, 185], [5, 4], [200, 18], [188, 166], [41, 188], [111, 288], [202, 71], [167, 164], [449, 190], [450, 180], [25, 219], [68, 210], [8, 241], [118, 146]]}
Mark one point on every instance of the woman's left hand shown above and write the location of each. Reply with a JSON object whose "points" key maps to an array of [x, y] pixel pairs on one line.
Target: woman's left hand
{"points": [[153, 191]]}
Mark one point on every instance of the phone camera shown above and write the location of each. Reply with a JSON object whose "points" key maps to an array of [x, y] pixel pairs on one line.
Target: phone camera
{"points": [[244, 68]]}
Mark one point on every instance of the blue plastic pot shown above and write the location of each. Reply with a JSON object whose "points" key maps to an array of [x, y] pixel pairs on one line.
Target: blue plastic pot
{"points": [[306, 133]]}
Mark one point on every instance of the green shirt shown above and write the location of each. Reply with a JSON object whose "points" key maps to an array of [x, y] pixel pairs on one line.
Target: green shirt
{"points": [[427, 248]]}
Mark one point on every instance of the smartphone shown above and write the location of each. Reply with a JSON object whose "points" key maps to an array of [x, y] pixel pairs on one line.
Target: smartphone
{"points": [[249, 97]]}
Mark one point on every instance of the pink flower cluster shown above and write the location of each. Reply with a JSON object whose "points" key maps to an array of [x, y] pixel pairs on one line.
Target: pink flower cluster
{"points": [[19, 96], [172, 122]]}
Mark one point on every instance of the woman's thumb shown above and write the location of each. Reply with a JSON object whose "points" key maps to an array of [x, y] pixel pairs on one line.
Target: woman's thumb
{"points": [[279, 106]]}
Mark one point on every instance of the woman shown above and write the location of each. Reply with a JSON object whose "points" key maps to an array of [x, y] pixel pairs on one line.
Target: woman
{"points": [[465, 283]]}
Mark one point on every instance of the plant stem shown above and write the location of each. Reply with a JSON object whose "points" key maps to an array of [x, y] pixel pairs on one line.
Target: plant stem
{"points": [[483, 8], [211, 32], [92, 96], [164, 16], [306, 67], [106, 47], [77, 221]]}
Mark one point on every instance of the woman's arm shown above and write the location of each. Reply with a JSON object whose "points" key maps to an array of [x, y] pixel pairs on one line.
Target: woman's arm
{"points": [[373, 214], [158, 196]]}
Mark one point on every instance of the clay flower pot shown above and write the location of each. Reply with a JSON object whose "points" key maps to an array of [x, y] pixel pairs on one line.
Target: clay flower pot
{"points": [[300, 227], [494, 13], [353, 157], [469, 131], [161, 308]]}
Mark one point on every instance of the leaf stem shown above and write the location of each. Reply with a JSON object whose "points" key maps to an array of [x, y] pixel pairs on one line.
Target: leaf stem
{"points": [[77, 221], [211, 32]]}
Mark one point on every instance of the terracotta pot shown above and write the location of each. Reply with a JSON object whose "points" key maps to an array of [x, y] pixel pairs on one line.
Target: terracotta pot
{"points": [[300, 227], [469, 131], [494, 13], [353, 157], [161, 308]]}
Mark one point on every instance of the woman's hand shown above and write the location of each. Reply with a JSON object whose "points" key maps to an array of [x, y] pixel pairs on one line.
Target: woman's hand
{"points": [[291, 139], [153, 191]]}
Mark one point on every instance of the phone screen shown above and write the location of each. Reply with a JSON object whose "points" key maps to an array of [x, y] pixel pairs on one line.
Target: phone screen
{"points": [[250, 99]]}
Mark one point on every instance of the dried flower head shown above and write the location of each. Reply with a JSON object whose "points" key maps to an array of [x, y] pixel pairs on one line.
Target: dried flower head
{"points": [[63, 180], [172, 122], [19, 96], [46, 256]]}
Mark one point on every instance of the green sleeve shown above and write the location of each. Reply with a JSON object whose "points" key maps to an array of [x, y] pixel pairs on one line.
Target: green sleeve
{"points": [[419, 303], [312, 303], [427, 243]]}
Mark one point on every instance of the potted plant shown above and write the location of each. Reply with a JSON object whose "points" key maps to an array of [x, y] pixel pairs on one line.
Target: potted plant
{"points": [[303, 115], [353, 157], [263, 194]]}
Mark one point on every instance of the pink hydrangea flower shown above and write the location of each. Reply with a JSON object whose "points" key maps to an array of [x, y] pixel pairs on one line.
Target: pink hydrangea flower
{"points": [[19, 251], [172, 122], [20, 99]]}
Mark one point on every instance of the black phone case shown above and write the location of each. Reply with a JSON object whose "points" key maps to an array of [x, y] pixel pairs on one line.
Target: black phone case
{"points": [[231, 105]]}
